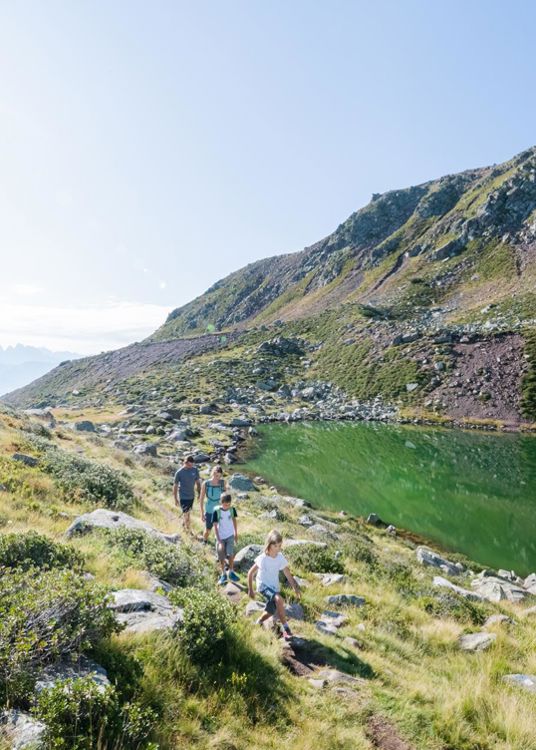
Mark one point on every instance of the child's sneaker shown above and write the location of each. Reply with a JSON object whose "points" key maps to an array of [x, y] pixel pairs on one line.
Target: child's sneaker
{"points": [[287, 633], [223, 579], [233, 576]]}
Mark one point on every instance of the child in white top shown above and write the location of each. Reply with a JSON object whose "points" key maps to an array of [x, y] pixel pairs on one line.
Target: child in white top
{"points": [[267, 567]]}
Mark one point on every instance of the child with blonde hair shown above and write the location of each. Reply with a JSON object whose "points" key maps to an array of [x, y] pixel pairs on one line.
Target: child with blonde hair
{"points": [[266, 568]]}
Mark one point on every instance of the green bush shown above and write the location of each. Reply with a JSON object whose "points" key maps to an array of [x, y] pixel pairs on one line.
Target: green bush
{"points": [[80, 715], [171, 563], [81, 479], [206, 629], [45, 615], [315, 559], [359, 550], [24, 551], [450, 605]]}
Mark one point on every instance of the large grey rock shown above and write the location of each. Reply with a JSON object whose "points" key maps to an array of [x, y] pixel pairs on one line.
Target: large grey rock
{"points": [[144, 611], [246, 556], [476, 641], [305, 520], [85, 425], [498, 619], [495, 589], [21, 730], [330, 622], [241, 483], [65, 671], [111, 519], [345, 600], [25, 459], [241, 422], [428, 557], [333, 676], [44, 414], [145, 449], [444, 583], [524, 681]]}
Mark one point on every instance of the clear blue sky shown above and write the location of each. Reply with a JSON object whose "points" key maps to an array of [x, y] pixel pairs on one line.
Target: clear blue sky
{"points": [[149, 148]]}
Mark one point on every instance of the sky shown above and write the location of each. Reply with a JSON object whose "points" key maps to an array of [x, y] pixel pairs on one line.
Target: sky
{"points": [[149, 149]]}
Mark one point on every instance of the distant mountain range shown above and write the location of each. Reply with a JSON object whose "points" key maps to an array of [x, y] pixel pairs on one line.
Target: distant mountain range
{"points": [[20, 364]]}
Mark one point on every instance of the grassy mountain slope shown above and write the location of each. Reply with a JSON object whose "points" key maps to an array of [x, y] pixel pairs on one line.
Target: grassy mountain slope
{"points": [[459, 239], [413, 687]]}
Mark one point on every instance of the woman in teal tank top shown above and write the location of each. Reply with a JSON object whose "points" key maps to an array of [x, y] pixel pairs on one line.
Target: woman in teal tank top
{"points": [[211, 492]]}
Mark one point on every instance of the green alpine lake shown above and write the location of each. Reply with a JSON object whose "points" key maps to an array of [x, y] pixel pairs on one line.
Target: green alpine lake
{"points": [[472, 492]]}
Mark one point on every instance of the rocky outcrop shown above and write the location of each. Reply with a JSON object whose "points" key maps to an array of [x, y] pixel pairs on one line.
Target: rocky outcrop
{"points": [[21, 730], [108, 519], [144, 611]]}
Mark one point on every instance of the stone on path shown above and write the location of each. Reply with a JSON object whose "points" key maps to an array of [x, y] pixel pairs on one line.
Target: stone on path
{"points": [[245, 557], [330, 622], [476, 641], [21, 730], [233, 592], [524, 681], [333, 677], [111, 519], [428, 557]]}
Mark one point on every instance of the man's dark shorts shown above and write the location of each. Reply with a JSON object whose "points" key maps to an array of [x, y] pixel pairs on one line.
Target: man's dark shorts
{"points": [[186, 505], [268, 595]]}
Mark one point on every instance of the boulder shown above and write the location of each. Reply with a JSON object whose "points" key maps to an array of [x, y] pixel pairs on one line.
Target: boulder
{"points": [[428, 557], [333, 677], [144, 611], [21, 730], [374, 520], [346, 600], [178, 436], [476, 641], [241, 483], [495, 589], [498, 620], [65, 671], [240, 422], [305, 520], [85, 425], [524, 681], [110, 519], [330, 622], [24, 459], [246, 556], [145, 449], [444, 583]]}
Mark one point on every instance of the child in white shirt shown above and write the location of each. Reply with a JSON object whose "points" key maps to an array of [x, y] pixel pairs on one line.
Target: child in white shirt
{"points": [[266, 568]]}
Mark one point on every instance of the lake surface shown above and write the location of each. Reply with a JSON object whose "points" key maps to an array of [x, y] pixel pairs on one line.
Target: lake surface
{"points": [[472, 492]]}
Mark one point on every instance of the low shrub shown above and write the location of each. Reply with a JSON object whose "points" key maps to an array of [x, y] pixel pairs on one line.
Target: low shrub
{"points": [[206, 626], [25, 551], [172, 563], [81, 479], [359, 550], [80, 715], [450, 605], [315, 559], [45, 615]]}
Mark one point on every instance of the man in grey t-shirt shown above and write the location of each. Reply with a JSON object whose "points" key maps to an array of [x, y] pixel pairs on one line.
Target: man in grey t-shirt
{"points": [[187, 480]]}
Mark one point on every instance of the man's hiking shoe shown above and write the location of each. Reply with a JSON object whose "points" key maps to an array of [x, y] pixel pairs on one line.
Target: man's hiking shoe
{"points": [[223, 579], [233, 576]]}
